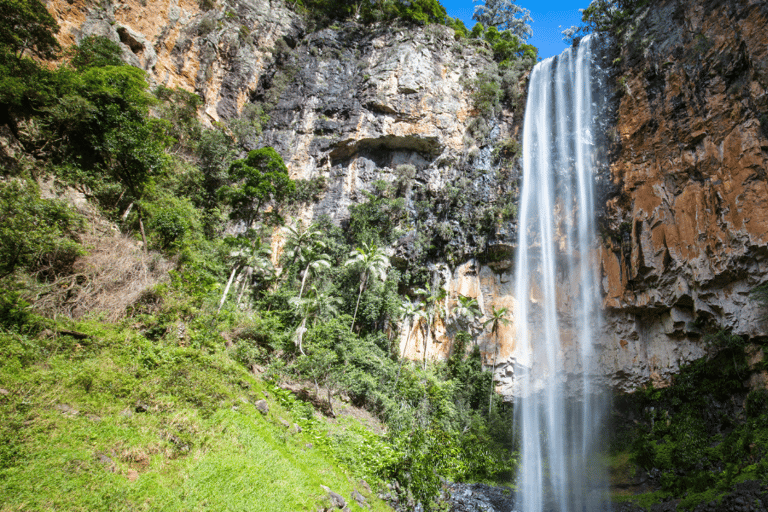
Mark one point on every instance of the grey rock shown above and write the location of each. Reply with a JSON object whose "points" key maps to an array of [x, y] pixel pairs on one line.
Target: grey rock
{"points": [[66, 409], [359, 498], [262, 406], [336, 499]]}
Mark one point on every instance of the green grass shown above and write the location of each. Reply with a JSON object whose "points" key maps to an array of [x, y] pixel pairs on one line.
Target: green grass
{"points": [[200, 445]]}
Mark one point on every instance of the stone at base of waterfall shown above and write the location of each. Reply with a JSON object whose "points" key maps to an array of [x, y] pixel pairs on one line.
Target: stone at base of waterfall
{"points": [[480, 497]]}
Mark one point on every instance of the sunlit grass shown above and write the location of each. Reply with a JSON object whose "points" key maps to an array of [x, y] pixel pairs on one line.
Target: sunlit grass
{"points": [[118, 423]]}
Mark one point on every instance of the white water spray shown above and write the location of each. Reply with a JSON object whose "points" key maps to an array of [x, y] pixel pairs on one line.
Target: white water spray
{"points": [[559, 410]]}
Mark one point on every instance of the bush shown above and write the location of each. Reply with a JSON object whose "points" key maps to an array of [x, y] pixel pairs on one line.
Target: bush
{"points": [[35, 234], [95, 51], [485, 94], [173, 222]]}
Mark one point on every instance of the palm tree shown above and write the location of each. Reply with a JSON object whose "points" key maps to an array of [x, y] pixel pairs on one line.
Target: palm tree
{"points": [[257, 263], [409, 310], [429, 308], [317, 305], [374, 263], [467, 309], [498, 317], [246, 258], [306, 248]]}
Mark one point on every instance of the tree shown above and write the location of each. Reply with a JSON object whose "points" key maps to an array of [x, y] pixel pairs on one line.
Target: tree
{"points": [[409, 311], [374, 262], [27, 26], [34, 231], [259, 179], [305, 247], [95, 52], [252, 257], [601, 16], [467, 309], [430, 299], [498, 318], [504, 15], [317, 306]]}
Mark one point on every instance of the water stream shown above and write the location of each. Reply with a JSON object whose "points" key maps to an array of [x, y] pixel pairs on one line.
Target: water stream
{"points": [[559, 408]]}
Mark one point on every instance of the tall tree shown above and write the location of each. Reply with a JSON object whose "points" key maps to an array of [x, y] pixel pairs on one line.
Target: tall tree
{"points": [[429, 303], [27, 26], [504, 15], [467, 309], [409, 311], [374, 263], [306, 247], [317, 305], [259, 179], [249, 258], [497, 318]]}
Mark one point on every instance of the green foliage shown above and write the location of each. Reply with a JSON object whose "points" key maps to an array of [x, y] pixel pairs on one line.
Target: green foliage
{"points": [[173, 222], [695, 436], [95, 51], [420, 12], [604, 16], [460, 30], [247, 127], [506, 15], [259, 179], [26, 26], [375, 220], [179, 108], [486, 93], [15, 312], [35, 234]]}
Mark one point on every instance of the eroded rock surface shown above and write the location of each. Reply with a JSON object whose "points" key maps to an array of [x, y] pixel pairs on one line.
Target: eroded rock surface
{"points": [[687, 233]]}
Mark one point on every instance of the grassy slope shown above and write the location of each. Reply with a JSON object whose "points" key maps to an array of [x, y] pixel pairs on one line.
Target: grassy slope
{"points": [[71, 437]]}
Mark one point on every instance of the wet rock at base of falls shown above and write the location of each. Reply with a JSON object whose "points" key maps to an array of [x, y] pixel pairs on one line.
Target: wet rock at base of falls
{"points": [[480, 497]]}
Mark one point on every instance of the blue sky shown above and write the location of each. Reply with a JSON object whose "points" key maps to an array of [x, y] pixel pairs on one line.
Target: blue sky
{"points": [[549, 19]]}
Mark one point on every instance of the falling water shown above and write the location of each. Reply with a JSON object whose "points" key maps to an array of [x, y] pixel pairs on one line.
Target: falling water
{"points": [[559, 408]]}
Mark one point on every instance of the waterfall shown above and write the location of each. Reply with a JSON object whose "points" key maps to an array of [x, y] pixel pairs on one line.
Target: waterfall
{"points": [[558, 406]]}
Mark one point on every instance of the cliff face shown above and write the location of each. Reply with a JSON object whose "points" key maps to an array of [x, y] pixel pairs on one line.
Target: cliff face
{"points": [[686, 234], [218, 53], [685, 224]]}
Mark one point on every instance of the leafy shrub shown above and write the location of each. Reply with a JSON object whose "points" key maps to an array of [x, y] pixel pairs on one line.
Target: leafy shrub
{"points": [[173, 222], [486, 93], [95, 51], [35, 233]]}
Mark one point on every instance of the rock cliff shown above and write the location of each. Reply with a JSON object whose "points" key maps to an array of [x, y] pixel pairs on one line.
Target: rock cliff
{"points": [[686, 233], [685, 218]]}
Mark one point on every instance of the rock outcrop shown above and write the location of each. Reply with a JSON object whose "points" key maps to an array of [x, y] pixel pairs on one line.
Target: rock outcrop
{"points": [[686, 234], [219, 52]]}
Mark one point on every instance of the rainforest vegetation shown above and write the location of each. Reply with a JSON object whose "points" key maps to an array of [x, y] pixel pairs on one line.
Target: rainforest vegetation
{"points": [[154, 353], [151, 354]]}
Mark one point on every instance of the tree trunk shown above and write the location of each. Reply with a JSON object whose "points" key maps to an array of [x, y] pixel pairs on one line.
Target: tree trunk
{"points": [[141, 228], [304, 280], [248, 274], [300, 334], [402, 358], [362, 286], [226, 289], [493, 370]]}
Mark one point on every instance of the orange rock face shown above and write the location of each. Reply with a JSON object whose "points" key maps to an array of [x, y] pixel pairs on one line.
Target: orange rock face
{"points": [[689, 225]]}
